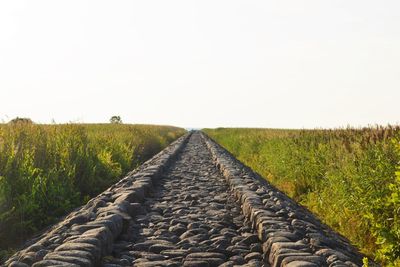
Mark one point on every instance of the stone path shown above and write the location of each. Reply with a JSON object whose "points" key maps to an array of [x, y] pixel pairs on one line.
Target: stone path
{"points": [[191, 220]]}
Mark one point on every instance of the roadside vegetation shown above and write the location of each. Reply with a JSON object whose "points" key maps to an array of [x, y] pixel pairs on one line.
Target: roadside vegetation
{"points": [[48, 170], [349, 177]]}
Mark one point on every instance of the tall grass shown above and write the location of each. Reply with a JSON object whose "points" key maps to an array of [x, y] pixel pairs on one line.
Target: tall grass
{"points": [[349, 177], [47, 170]]}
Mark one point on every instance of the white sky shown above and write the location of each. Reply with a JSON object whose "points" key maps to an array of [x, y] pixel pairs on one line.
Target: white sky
{"points": [[288, 64]]}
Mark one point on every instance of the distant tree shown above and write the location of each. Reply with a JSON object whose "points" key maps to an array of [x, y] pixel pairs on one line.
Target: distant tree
{"points": [[116, 119], [21, 120]]}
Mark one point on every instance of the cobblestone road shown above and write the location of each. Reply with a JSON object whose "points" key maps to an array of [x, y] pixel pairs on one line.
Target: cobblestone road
{"points": [[191, 219]]}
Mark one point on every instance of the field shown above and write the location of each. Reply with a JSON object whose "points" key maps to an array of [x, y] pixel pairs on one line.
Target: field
{"points": [[47, 170], [349, 177]]}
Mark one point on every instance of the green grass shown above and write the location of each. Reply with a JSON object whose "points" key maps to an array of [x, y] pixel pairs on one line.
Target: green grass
{"points": [[349, 177], [47, 170]]}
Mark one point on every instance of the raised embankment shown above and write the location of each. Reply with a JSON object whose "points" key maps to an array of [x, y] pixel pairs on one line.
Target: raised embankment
{"points": [[193, 204]]}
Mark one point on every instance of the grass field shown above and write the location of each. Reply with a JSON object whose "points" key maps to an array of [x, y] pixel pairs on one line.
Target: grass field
{"points": [[47, 170], [350, 178]]}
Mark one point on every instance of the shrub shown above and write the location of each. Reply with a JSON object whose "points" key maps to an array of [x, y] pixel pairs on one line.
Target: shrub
{"points": [[47, 170], [345, 176]]}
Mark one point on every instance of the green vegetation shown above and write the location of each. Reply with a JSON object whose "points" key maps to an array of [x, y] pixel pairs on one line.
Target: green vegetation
{"points": [[47, 170], [350, 178]]}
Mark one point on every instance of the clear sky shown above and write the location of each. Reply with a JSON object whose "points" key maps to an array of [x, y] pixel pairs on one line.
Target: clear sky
{"points": [[281, 64]]}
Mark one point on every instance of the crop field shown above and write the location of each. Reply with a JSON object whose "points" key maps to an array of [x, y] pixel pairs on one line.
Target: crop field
{"points": [[349, 177], [47, 170]]}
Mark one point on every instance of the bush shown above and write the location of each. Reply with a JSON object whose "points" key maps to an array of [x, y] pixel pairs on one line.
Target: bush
{"points": [[116, 119], [47, 170], [347, 177], [21, 120]]}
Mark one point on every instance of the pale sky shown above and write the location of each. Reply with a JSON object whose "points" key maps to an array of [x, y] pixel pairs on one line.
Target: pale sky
{"points": [[280, 64]]}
